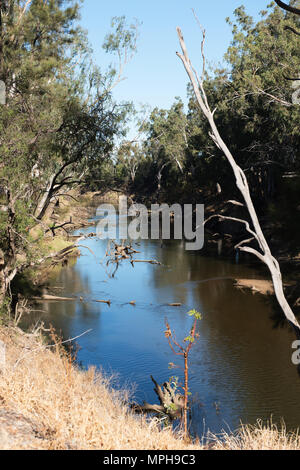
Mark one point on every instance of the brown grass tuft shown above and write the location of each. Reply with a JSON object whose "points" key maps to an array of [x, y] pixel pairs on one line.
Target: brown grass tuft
{"points": [[262, 436]]}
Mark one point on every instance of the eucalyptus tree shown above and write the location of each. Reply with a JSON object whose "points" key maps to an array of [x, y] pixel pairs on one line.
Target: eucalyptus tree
{"points": [[255, 111], [33, 36], [59, 120], [129, 156], [166, 143]]}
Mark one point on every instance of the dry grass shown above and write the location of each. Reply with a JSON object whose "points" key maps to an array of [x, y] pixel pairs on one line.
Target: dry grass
{"points": [[262, 436], [48, 403], [69, 408]]}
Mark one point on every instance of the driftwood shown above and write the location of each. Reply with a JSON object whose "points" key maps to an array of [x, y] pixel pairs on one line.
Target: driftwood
{"points": [[171, 403], [117, 253], [55, 298], [108, 302], [150, 261]]}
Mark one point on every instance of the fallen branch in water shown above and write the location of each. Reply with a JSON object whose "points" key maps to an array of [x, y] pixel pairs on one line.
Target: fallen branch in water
{"points": [[171, 403], [46, 297], [150, 261], [108, 302], [118, 253]]}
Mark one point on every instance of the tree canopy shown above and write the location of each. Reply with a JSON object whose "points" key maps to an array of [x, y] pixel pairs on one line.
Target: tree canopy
{"points": [[59, 122]]}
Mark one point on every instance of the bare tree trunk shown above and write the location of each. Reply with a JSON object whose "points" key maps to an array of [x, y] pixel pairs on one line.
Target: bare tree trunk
{"points": [[45, 200], [6, 276], [263, 252], [8, 259], [2, 286]]}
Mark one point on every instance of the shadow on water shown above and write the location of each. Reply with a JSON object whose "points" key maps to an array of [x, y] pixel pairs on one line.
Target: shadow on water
{"points": [[240, 368]]}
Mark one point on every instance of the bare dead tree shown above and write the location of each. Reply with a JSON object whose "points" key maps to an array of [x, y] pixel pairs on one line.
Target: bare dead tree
{"points": [[263, 251]]}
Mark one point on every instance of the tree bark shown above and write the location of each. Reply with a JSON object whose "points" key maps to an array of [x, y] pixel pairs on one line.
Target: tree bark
{"points": [[45, 200]]}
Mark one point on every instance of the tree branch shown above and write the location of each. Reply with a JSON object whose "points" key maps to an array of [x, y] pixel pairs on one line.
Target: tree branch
{"points": [[288, 7], [289, 28]]}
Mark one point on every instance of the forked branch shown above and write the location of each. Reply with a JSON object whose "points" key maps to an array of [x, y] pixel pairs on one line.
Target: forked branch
{"points": [[288, 7]]}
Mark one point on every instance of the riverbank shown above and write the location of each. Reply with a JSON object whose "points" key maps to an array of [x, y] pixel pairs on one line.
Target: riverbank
{"points": [[113, 317], [55, 241], [48, 403]]}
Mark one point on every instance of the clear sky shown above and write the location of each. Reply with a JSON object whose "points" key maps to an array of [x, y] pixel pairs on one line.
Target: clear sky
{"points": [[156, 75]]}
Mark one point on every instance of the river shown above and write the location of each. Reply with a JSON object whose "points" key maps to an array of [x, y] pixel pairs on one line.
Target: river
{"points": [[240, 367]]}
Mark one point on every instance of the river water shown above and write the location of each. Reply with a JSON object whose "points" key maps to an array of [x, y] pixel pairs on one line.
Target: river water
{"points": [[240, 367]]}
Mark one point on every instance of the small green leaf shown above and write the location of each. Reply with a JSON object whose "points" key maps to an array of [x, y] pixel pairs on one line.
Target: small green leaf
{"points": [[189, 339], [196, 314]]}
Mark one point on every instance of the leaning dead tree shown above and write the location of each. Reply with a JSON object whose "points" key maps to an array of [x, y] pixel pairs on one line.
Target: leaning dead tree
{"points": [[262, 251]]}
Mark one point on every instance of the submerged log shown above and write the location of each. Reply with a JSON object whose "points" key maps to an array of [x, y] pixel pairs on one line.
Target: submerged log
{"points": [[108, 302], [54, 298], [150, 261]]}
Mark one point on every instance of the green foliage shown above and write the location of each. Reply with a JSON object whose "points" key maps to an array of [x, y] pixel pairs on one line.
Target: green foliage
{"points": [[123, 36], [195, 314], [161, 158], [60, 122], [4, 308], [255, 114], [189, 339]]}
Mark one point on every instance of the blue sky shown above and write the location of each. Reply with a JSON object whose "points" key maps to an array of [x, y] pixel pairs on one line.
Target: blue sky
{"points": [[156, 76]]}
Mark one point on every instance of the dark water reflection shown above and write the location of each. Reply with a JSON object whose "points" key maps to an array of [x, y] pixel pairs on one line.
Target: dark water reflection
{"points": [[241, 362]]}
